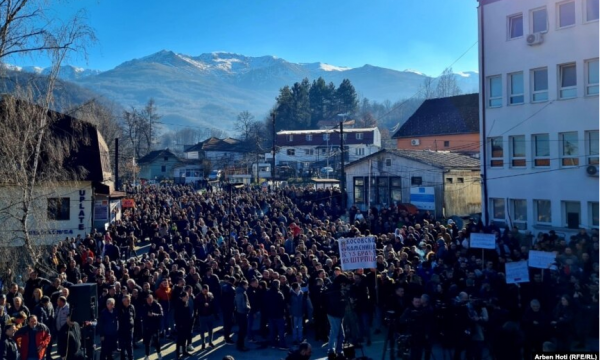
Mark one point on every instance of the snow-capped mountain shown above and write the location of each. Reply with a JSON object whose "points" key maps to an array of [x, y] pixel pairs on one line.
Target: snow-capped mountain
{"points": [[209, 90]]}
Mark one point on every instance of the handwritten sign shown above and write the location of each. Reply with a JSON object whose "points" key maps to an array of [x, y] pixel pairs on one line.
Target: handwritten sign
{"points": [[517, 272], [541, 259], [357, 253], [483, 241]]}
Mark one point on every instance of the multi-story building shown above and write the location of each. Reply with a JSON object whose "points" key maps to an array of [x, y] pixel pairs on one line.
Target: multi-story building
{"points": [[308, 149], [539, 113]]}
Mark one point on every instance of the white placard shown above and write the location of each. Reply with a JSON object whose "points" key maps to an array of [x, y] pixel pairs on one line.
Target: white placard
{"points": [[483, 241], [357, 253], [541, 259], [517, 272]]}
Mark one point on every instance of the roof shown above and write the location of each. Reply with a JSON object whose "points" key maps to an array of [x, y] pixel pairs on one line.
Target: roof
{"points": [[153, 155], [443, 116], [215, 144], [323, 131], [440, 159]]}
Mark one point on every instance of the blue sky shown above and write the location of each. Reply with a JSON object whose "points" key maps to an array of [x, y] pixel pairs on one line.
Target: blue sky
{"points": [[424, 35]]}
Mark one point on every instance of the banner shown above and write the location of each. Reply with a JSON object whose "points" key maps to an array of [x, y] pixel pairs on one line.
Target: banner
{"points": [[423, 197], [541, 259], [128, 203], [483, 241], [357, 253], [517, 272]]}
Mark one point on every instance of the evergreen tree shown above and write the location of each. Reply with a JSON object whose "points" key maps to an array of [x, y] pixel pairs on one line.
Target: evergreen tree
{"points": [[284, 109], [346, 98], [301, 106], [321, 98]]}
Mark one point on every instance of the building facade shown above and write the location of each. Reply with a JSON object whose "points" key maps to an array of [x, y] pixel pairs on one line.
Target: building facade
{"points": [[539, 113], [159, 165]]}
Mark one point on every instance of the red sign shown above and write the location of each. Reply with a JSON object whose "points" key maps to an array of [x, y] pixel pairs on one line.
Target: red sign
{"points": [[128, 203]]}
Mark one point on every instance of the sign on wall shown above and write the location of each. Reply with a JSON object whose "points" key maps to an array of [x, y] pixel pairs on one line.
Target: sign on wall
{"points": [[423, 197], [357, 253]]}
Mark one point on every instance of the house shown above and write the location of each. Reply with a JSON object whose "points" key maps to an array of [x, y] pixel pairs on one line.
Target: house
{"points": [[219, 153], [449, 124], [158, 165], [75, 201], [444, 183], [538, 62], [314, 149]]}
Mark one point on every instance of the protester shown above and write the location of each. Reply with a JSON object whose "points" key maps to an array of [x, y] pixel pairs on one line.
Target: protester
{"points": [[33, 339]]}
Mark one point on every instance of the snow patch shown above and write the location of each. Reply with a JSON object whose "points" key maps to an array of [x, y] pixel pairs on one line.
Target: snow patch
{"points": [[327, 67], [413, 71]]}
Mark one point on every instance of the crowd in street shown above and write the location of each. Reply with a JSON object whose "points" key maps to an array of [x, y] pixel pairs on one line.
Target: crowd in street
{"points": [[262, 265]]}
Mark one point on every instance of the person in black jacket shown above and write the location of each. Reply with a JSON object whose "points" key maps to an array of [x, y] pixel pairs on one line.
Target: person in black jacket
{"points": [[152, 314], [206, 310], [126, 316], [108, 328], [275, 308], [242, 308], [184, 313], [9, 349], [69, 341], [227, 306], [418, 320], [336, 308]]}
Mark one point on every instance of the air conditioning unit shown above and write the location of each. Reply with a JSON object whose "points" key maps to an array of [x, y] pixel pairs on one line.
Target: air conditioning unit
{"points": [[415, 142], [534, 39], [592, 170]]}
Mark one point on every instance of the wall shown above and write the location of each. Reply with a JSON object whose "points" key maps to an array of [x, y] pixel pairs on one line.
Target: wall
{"points": [[462, 197], [153, 170], [458, 143]]}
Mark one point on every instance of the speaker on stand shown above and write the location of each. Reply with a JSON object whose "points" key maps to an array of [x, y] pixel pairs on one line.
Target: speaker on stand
{"points": [[83, 300]]}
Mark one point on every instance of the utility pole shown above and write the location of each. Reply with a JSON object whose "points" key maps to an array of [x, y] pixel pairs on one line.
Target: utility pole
{"points": [[343, 174], [273, 151], [117, 164]]}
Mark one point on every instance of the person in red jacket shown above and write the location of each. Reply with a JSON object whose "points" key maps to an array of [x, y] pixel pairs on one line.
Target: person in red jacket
{"points": [[33, 339]]}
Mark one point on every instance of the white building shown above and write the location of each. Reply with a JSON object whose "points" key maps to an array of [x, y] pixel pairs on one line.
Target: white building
{"points": [[305, 149], [539, 113]]}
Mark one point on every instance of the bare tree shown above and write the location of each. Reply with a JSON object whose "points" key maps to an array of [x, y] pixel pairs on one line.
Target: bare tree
{"points": [[243, 123], [447, 85], [427, 90]]}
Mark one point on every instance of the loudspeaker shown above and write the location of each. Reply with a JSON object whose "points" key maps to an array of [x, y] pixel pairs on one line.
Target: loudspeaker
{"points": [[573, 220], [83, 299]]}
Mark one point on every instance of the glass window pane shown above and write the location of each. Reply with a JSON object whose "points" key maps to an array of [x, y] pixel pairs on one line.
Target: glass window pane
{"points": [[516, 26], [594, 213], [543, 211], [497, 148], [568, 76], [591, 10], [495, 87], [566, 14], [498, 208], [593, 142], [540, 23], [542, 145], [592, 77], [518, 146], [540, 80], [572, 207], [396, 182], [570, 144], [516, 83], [520, 210]]}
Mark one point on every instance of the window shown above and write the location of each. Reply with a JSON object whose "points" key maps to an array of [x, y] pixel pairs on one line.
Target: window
{"points": [[569, 149], [541, 150], [359, 151], [345, 136], [515, 26], [290, 138], [446, 144], [539, 78], [396, 189], [416, 180], [543, 211], [572, 214], [497, 151], [309, 152], [495, 93], [539, 21], [308, 137], [593, 211], [59, 209], [566, 14], [515, 84], [166, 158], [323, 150], [449, 180], [359, 190], [498, 211], [358, 136], [325, 137], [383, 190], [460, 180], [568, 81], [591, 138], [519, 209], [591, 77], [163, 168], [517, 151], [591, 10], [388, 162], [291, 152]]}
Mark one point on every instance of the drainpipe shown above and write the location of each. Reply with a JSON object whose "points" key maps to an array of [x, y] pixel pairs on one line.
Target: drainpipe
{"points": [[482, 131]]}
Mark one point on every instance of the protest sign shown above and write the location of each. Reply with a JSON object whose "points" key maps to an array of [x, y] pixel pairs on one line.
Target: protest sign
{"points": [[357, 253], [517, 272], [128, 203], [483, 241], [541, 259]]}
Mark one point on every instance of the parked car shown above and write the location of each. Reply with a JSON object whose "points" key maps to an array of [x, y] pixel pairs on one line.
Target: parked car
{"points": [[215, 175]]}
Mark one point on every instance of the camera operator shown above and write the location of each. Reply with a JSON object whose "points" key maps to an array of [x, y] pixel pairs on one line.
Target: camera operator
{"points": [[418, 320]]}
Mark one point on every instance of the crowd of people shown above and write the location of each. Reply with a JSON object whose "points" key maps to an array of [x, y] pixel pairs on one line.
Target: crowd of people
{"points": [[263, 264]]}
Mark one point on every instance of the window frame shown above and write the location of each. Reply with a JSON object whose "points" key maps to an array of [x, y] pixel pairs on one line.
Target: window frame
{"points": [[587, 84], [510, 19], [359, 151], [536, 211], [290, 152], [309, 137], [533, 83], [574, 159], [446, 143], [517, 161], [562, 89], [532, 20], [416, 180], [61, 211], [509, 86], [544, 160], [361, 187], [589, 154], [388, 161], [495, 219], [163, 168], [558, 12], [496, 159], [565, 218], [591, 206], [309, 152], [326, 137], [290, 137], [358, 136], [585, 13], [494, 101], [521, 221]]}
